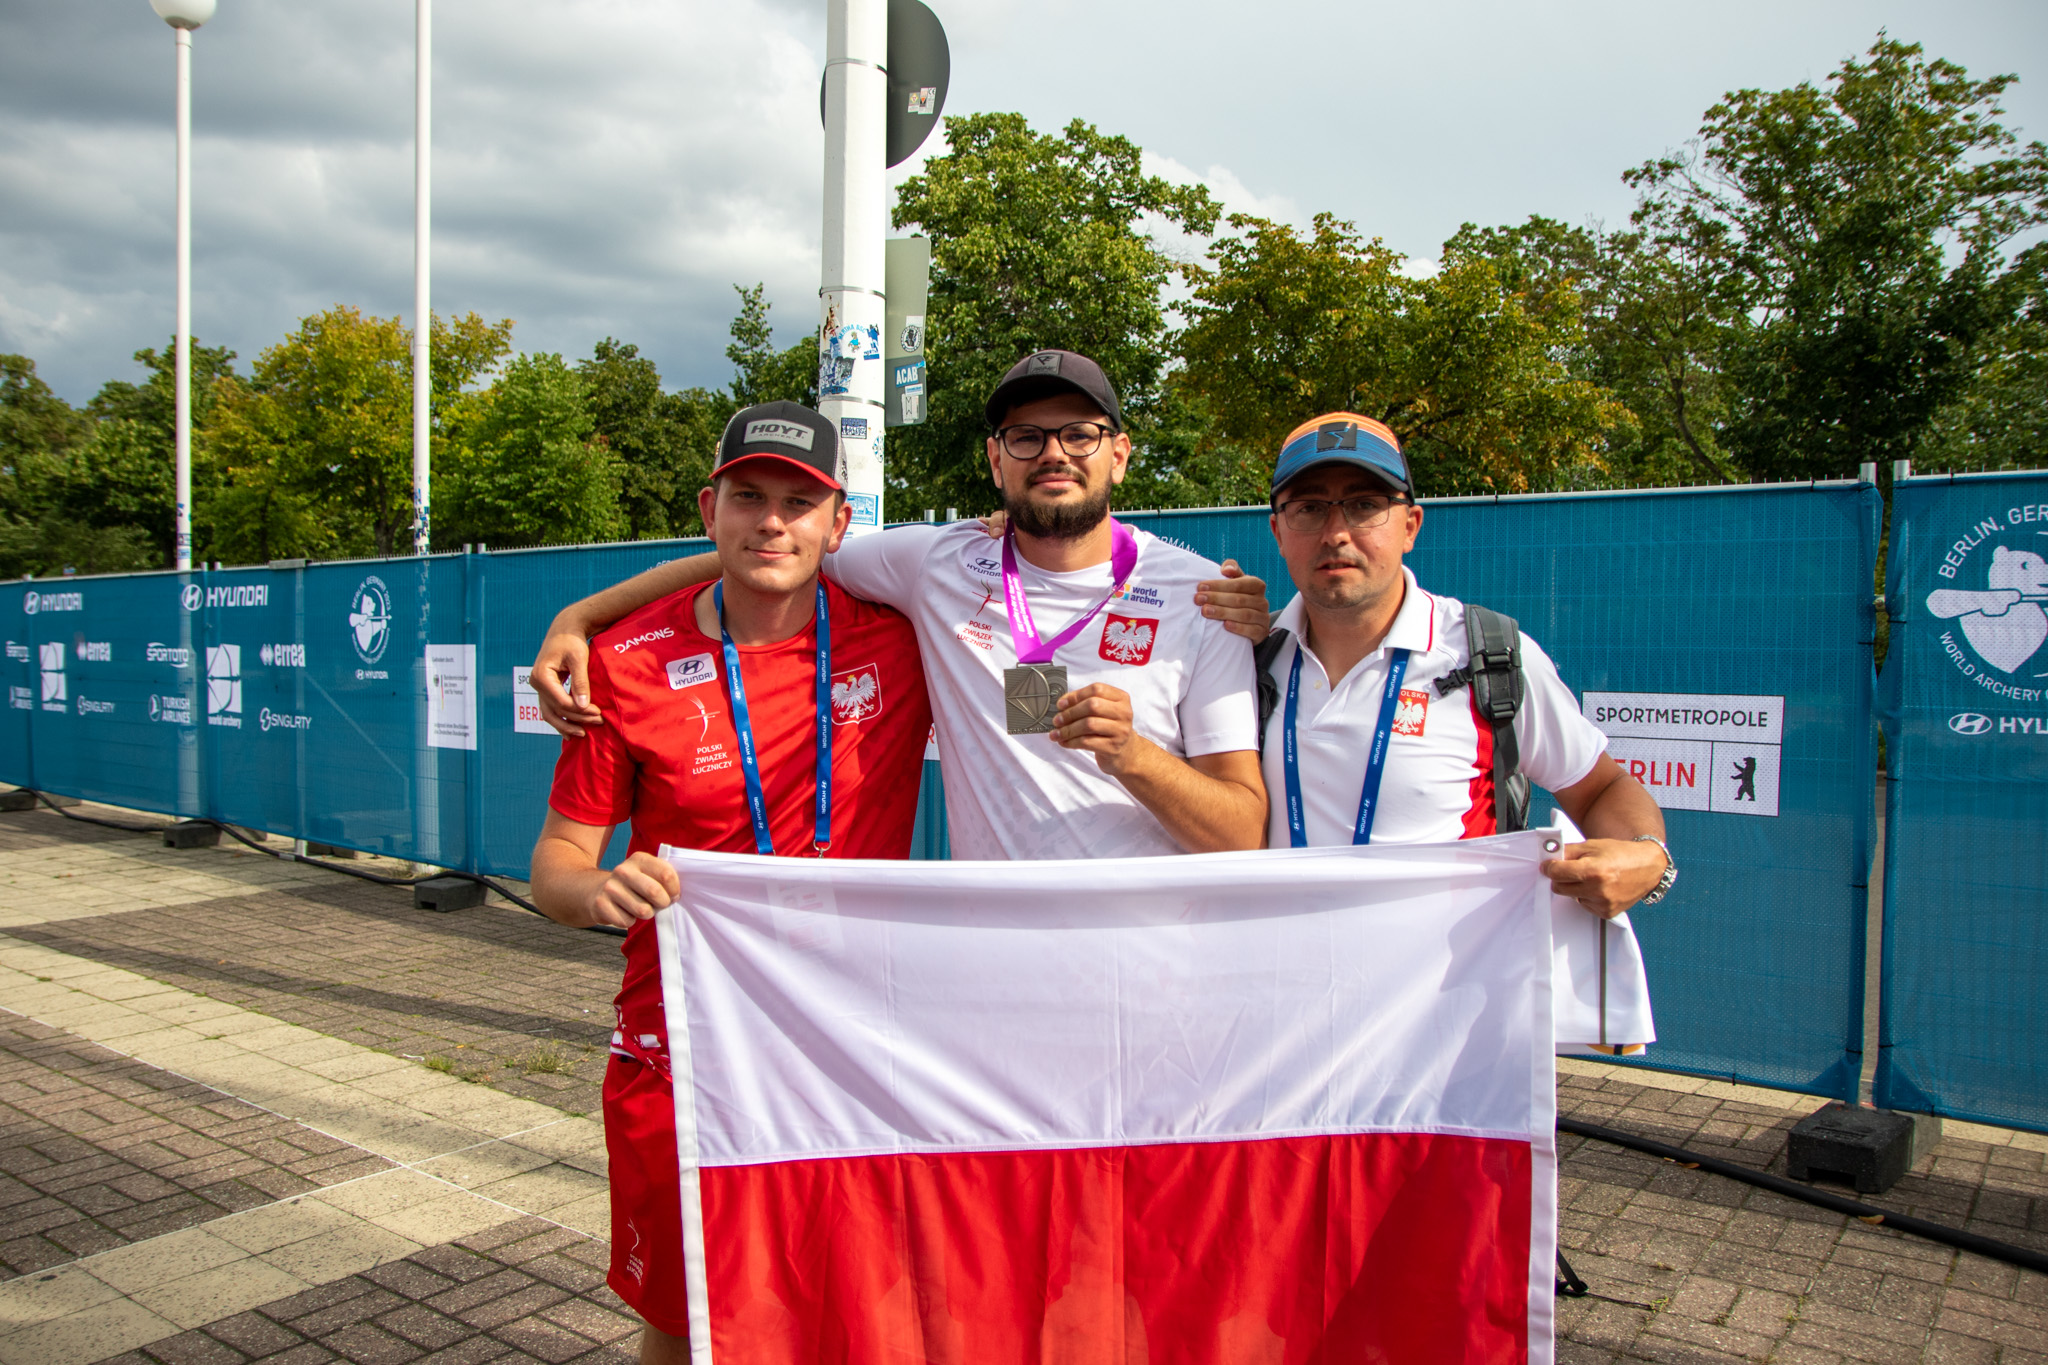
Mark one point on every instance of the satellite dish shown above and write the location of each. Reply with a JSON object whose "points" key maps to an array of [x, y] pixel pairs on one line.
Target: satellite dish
{"points": [[920, 65]]}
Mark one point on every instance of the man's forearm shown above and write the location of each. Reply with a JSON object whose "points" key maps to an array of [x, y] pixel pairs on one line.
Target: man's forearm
{"points": [[600, 609], [1204, 814], [1622, 810], [564, 879]]}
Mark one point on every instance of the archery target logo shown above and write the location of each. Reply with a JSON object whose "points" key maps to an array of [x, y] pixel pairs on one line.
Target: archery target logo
{"points": [[2003, 625]]}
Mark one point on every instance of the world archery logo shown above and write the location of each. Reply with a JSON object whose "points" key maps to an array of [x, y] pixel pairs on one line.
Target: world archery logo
{"points": [[369, 619], [2003, 624]]}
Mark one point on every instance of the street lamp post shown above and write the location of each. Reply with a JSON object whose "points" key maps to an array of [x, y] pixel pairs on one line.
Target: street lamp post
{"points": [[183, 16], [422, 315], [850, 368]]}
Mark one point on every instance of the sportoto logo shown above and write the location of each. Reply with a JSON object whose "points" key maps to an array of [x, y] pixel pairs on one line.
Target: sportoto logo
{"points": [[2003, 623], [191, 597], [1969, 723], [369, 619]]}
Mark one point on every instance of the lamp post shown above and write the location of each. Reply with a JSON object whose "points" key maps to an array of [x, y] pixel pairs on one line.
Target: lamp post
{"points": [[183, 16], [850, 368], [422, 315]]}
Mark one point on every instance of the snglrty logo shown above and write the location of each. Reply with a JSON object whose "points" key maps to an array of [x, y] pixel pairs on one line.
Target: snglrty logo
{"points": [[369, 619], [1969, 723]]}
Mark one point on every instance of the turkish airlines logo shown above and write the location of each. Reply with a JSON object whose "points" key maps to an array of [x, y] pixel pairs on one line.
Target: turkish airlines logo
{"points": [[1970, 723], [1411, 712], [856, 694], [1128, 639]]}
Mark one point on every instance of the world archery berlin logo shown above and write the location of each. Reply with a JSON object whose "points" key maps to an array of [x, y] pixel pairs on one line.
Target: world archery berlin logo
{"points": [[369, 619], [2003, 623]]}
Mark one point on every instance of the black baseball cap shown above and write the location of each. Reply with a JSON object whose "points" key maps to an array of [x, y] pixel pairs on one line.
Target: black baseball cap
{"points": [[1045, 373], [784, 431]]}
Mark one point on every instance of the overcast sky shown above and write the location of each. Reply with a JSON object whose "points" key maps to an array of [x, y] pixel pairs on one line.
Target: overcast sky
{"points": [[613, 167]]}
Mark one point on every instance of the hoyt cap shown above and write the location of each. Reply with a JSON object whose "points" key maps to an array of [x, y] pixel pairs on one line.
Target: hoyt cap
{"points": [[1343, 438], [1046, 373], [784, 431]]}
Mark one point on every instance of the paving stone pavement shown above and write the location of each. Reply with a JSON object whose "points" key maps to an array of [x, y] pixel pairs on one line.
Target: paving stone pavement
{"points": [[397, 1098]]}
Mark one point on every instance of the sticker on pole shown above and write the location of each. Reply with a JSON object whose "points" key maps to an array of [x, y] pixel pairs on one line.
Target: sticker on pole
{"points": [[1696, 751]]}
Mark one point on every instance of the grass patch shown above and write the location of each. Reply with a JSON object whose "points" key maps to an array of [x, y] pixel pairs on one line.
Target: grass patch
{"points": [[438, 1063], [545, 1059]]}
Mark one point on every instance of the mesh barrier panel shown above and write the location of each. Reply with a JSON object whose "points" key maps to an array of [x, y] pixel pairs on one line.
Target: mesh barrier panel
{"points": [[1965, 991], [331, 701]]}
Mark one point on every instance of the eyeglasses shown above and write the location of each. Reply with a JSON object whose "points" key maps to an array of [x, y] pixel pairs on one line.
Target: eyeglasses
{"points": [[1078, 439], [1306, 515]]}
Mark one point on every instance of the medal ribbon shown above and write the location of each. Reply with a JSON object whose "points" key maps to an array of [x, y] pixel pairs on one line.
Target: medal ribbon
{"points": [[1123, 559], [743, 726], [1375, 764]]}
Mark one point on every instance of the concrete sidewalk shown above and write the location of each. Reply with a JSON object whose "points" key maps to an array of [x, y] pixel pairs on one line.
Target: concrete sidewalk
{"points": [[251, 1110]]}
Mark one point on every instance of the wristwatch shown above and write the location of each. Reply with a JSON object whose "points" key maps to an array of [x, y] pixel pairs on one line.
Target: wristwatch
{"points": [[1670, 877]]}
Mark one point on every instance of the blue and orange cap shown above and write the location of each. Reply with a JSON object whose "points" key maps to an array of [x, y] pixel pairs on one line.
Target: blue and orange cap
{"points": [[1343, 438]]}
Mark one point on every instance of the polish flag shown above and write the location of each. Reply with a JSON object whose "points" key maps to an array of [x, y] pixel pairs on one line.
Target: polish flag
{"points": [[1289, 1106]]}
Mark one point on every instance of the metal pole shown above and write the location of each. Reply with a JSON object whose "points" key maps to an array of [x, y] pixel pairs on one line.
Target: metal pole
{"points": [[422, 308], [182, 346], [851, 371]]}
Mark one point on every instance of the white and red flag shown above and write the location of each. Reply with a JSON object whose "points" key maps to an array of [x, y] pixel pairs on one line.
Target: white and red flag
{"points": [[1292, 1106]]}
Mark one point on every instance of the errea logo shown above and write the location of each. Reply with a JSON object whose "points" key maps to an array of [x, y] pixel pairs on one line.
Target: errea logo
{"points": [[783, 433]]}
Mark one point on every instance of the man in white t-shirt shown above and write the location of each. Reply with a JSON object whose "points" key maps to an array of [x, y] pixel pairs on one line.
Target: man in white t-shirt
{"points": [[1343, 516], [1152, 747]]}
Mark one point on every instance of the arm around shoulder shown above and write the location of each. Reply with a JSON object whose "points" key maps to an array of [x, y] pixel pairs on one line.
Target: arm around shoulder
{"points": [[561, 670]]}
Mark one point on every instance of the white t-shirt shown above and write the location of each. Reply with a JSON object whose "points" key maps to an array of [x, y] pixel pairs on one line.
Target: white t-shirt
{"points": [[1438, 780], [1022, 796]]}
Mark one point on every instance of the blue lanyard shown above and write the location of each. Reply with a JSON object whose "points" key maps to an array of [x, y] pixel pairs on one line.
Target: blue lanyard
{"points": [[1375, 765], [743, 726]]}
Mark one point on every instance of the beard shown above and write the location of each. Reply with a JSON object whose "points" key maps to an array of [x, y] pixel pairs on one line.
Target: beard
{"points": [[1068, 519]]}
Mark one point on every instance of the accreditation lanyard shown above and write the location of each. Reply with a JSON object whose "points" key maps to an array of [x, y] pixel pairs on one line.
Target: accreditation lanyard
{"points": [[1375, 764], [1123, 559], [757, 805]]}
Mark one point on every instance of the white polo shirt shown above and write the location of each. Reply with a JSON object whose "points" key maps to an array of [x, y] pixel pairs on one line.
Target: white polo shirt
{"points": [[1438, 781], [1022, 796]]}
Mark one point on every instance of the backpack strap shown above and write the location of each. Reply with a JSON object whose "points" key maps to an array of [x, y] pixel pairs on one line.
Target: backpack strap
{"points": [[1263, 655], [1495, 676]]}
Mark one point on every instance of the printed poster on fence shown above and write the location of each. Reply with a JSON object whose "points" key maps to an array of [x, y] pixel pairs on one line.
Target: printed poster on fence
{"points": [[451, 696]]}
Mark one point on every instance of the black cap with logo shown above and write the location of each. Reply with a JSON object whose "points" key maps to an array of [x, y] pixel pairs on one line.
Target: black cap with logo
{"points": [[784, 431], [1045, 373]]}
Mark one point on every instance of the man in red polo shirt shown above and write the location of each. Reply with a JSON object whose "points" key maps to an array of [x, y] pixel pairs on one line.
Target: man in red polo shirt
{"points": [[723, 704]]}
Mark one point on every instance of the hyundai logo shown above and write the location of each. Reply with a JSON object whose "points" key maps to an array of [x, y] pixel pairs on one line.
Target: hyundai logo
{"points": [[191, 597], [1969, 723]]}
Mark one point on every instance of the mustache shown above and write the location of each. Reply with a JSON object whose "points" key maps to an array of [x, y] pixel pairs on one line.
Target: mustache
{"points": [[1066, 471]]}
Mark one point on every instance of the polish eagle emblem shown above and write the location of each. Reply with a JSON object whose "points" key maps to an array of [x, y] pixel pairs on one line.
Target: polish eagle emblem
{"points": [[1128, 639], [856, 694]]}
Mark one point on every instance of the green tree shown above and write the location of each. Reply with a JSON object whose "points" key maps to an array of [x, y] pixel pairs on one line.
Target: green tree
{"points": [[525, 471], [663, 441], [1466, 366], [313, 455], [1038, 241], [1862, 231], [761, 373], [2000, 419]]}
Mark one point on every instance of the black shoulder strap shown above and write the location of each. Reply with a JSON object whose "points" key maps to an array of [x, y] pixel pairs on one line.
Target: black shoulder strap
{"points": [[1495, 675], [1263, 655]]}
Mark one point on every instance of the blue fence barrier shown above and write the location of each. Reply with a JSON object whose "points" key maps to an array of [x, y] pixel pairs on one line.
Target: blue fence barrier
{"points": [[1964, 1008], [377, 705]]}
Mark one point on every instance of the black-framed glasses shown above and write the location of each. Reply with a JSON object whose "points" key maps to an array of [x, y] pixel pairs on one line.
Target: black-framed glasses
{"points": [[1362, 513], [1026, 442]]}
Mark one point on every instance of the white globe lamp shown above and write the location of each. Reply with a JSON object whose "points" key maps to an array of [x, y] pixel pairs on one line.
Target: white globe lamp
{"points": [[187, 14]]}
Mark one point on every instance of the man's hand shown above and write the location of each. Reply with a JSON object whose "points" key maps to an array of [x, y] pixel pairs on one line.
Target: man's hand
{"points": [[1097, 719], [1237, 600], [564, 655], [635, 889], [1606, 876]]}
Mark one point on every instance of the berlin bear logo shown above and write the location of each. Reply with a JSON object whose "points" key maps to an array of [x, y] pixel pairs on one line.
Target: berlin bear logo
{"points": [[2005, 624]]}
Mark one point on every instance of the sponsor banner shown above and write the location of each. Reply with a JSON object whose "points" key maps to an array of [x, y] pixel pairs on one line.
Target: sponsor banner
{"points": [[282, 656], [451, 696], [177, 656], [223, 596], [224, 686], [34, 601], [369, 627], [1696, 751], [173, 709], [526, 703], [936, 1046]]}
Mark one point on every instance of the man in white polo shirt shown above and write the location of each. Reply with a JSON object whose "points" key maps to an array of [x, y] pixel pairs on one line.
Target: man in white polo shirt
{"points": [[1368, 742], [1088, 705]]}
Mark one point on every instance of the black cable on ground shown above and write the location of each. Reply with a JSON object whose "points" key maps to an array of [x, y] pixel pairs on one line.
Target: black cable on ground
{"points": [[1792, 1189], [291, 857]]}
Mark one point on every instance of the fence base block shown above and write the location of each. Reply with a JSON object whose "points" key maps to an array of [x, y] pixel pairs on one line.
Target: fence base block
{"points": [[314, 850], [21, 798], [191, 834], [1870, 1148], [447, 893]]}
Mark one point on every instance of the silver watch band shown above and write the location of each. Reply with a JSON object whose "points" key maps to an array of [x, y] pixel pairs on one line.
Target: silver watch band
{"points": [[1670, 877]]}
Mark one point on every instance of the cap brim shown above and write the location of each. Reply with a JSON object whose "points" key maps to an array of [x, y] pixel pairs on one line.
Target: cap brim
{"points": [[746, 456], [1393, 481]]}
